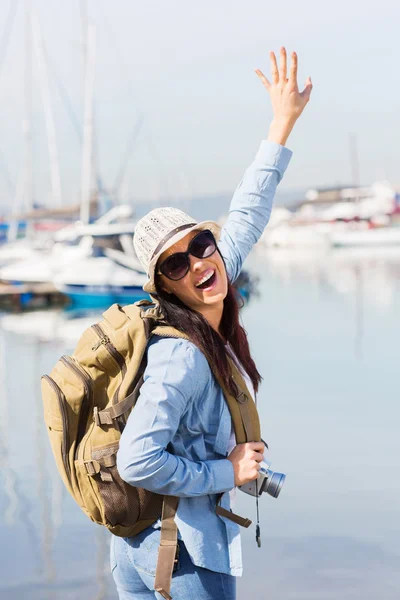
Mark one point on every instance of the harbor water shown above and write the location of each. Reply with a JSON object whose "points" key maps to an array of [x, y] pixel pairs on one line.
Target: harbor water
{"points": [[325, 335]]}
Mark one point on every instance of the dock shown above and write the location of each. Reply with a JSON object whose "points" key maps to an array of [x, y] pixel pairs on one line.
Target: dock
{"points": [[29, 296]]}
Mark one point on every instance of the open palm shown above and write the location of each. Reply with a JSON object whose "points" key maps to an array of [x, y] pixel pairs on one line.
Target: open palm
{"points": [[287, 101]]}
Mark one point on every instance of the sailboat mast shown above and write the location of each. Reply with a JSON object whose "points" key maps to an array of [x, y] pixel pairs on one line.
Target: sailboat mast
{"points": [[24, 189], [49, 117], [27, 121], [87, 147]]}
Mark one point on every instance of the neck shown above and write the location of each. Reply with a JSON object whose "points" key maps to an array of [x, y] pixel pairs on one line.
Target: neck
{"points": [[213, 314]]}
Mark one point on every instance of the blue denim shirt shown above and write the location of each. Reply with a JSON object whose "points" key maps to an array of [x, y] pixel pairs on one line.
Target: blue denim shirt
{"points": [[176, 438]]}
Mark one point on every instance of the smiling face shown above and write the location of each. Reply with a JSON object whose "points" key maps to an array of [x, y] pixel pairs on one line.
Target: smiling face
{"points": [[209, 273]]}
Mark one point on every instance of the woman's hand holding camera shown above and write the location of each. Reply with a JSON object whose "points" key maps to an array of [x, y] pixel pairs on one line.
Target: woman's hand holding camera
{"points": [[245, 459]]}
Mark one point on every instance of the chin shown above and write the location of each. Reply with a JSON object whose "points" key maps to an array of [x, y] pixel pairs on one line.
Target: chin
{"points": [[217, 297]]}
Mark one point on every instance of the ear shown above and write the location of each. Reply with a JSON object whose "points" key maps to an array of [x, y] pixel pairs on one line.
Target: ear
{"points": [[164, 286]]}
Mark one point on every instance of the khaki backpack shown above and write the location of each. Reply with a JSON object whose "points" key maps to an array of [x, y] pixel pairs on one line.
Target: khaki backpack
{"points": [[87, 399]]}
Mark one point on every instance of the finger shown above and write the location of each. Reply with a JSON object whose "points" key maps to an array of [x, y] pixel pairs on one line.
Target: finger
{"points": [[257, 456], [257, 446], [283, 67], [293, 70], [274, 68], [305, 94], [263, 79]]}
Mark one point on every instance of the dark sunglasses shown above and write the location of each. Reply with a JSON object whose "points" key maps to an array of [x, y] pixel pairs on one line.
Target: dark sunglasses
{"points": [[177, 265]]}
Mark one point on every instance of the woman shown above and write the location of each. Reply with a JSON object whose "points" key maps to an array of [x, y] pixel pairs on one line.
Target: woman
{"points": [[180, 441]]}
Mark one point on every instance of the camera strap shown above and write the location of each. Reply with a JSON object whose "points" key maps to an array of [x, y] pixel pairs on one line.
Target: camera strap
{"points": [[258, 531]]}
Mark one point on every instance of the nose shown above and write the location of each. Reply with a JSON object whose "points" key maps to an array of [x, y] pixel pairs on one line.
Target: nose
{"points": [[197, 265]]}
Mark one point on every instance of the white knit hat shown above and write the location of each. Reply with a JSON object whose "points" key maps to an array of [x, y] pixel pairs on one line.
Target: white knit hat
{"points": [[160, 229]]}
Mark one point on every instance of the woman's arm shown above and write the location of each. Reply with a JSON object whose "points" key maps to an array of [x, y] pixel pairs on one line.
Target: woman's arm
{"points": [[251, 205], [175, 376]]}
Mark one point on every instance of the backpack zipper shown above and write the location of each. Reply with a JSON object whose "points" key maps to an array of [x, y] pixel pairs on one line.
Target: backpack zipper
{"points": [[64, 418], [86, 403], [105, 341]]}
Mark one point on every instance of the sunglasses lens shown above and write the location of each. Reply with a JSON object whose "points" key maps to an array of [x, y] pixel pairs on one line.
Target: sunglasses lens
{"points": [[203, 245], [175, 267]]}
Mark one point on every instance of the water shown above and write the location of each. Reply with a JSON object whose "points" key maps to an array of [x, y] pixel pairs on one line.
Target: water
{"points": [[324, 334]]}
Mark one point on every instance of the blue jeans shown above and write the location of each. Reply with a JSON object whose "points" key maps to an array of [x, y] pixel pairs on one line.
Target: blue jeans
{"points": [[133, 565]]}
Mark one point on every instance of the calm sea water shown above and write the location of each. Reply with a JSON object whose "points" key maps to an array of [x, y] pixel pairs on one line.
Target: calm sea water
{"points": [[325, 335]]}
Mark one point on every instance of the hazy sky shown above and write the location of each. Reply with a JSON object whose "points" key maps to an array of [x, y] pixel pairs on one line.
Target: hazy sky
{"points": [[188, 68]]}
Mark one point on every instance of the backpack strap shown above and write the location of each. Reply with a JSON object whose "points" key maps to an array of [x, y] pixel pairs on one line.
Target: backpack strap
{"points": [[108, 415], [168, 331], [228, 514], [243, 409], [246, 424], [168, 547]]}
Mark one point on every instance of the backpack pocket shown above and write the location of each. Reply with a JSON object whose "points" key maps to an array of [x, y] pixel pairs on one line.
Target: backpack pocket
{"points": [[124, 504], [56, 420], [86, 398]]}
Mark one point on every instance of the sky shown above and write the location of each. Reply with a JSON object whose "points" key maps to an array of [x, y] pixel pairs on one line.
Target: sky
{"points": [[185, 71]]}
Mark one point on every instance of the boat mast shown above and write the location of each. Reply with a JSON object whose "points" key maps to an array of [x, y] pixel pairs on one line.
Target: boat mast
{"points": [[27, 122], [24, 190], [48, 111], [4, 44], [87, 147]]}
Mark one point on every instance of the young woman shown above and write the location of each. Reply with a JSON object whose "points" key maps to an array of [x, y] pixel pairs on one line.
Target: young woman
{"points": [[181, 441]]}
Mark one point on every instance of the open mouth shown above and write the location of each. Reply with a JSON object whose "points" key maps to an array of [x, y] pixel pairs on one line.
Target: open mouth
{"points": [[208, 281]]}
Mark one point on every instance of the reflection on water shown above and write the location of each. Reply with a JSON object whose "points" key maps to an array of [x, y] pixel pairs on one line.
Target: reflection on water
{"points": [[329, 414], [49, 550], [377, 270]]}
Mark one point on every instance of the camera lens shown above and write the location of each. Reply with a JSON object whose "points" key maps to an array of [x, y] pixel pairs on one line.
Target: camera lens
{"points": [[273, 483]]}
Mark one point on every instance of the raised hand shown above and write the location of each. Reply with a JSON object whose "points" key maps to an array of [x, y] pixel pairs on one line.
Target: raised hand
{"points": [[287, 101]]}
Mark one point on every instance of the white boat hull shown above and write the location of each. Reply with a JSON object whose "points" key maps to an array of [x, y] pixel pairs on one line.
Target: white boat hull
{"points": [[100, 282], [379, 237]]}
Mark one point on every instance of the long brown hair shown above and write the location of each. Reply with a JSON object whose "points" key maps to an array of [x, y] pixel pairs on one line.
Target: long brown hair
{"points": [[209, 341]]}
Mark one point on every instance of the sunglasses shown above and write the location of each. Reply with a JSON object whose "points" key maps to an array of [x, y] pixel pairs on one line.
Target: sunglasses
{"points": [[176, 266]]}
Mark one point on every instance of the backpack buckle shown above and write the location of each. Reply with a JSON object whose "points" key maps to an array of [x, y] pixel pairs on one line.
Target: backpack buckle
{"points": [[242, 398], [96, 417], [92, 467]]}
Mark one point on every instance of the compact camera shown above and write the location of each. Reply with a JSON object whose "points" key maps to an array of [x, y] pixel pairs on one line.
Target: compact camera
{"points": [[268, 481]]}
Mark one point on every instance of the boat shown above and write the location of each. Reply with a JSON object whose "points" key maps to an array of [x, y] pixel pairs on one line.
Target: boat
{"points": [[375, 237], [22, 249], [111, 232], [40, 267], [96, 282], [287, 235], [335, 217]]}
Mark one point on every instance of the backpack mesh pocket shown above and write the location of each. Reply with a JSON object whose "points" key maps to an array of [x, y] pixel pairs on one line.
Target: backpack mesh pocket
{"points": [[123, 504]]}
